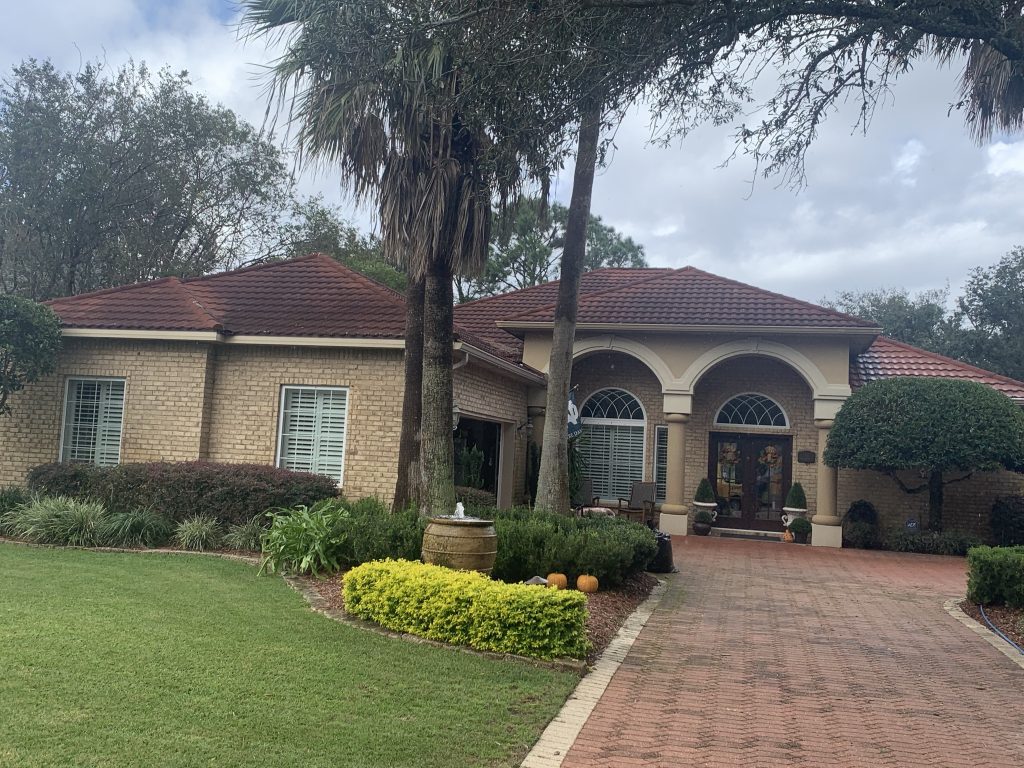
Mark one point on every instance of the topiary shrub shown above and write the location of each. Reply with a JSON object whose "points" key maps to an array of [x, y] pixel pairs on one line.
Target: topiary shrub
{"points": [[705, 494], [796, 498], [995, 576], [466, 608], [800, 525], [860, 526], [1007, 521], [231, 493], [703, 516]]}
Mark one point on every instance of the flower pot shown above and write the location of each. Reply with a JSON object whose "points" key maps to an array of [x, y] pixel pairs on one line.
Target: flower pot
{"points": [[463, 543], [791, 514], [702, 529]]}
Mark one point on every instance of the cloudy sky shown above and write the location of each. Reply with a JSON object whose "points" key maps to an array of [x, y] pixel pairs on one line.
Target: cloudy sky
{"points": [[914, 203]]}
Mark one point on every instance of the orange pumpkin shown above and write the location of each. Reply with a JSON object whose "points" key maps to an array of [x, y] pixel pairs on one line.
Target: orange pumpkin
{"points": [[586, 583], [787, 536], [557, 581]]}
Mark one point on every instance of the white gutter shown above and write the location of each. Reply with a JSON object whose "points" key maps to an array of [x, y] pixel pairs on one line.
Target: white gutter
{"points": [[496, 362]]}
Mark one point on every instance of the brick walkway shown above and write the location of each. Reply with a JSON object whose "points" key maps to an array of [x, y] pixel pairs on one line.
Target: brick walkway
{"points": [[765, 654]]}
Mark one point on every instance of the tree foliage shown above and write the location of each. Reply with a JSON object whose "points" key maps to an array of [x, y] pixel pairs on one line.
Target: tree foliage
{"points": [[931, 425], [114, 177], [527, 246], [29, 342], [923, 319]]}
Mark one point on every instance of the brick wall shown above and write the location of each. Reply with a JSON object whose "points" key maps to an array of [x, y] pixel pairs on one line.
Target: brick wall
{"points": [[163, 420], [966, 505], [247, 399]]}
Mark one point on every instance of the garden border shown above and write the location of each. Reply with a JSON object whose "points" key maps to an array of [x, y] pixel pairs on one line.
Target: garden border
{"points": [[953, 608], [558, 738]]}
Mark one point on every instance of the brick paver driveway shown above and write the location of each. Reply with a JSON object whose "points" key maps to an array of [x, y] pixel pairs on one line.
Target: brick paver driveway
{"points": [[772, 654]]}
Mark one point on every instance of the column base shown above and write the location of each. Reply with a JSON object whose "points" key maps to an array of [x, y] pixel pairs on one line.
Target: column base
{"points": [[673, 523], [826, 535]]}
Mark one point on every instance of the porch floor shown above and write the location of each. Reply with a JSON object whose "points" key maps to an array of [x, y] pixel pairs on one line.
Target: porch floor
{"points": [[792, 655]]}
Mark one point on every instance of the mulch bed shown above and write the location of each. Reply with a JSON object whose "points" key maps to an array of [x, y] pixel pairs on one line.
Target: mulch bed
{"points": [[607, 610], [1009, 620]]}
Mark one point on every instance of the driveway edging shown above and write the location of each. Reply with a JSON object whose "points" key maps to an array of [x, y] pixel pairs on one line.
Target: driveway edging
{"points": [[553, 745], [953, 608]]}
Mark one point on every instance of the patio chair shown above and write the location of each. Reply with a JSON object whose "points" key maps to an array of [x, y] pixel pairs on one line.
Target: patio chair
{"points": [[640, 502], [584, 496]]}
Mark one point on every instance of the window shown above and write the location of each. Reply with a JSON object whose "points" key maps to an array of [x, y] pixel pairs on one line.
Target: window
{"points": [[752, 410], [660, 462], [613, 442], [312, 432], [93, 416]]}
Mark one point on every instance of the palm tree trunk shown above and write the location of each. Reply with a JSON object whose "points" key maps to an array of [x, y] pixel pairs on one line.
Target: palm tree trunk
{"points": [[553, 483], [407, 487], [437, 450]]}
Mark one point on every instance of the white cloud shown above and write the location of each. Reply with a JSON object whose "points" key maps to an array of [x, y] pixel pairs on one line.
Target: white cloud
{"points": [[1006, 158], [904, 167]]}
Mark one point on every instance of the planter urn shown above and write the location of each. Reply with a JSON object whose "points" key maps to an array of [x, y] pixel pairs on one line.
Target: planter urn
{"points": [[463, 543]]}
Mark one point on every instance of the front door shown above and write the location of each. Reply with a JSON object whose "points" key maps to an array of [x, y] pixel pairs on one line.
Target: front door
{"points": [[750, 475]]}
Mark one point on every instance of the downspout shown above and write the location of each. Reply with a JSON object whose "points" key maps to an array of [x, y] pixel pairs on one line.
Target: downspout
{"points": [[462, 363]]}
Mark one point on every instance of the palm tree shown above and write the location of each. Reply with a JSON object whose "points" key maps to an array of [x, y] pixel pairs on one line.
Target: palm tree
{"points": [[378, 100]]}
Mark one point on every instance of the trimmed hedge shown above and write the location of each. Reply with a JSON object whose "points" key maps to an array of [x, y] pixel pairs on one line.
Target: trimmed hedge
{"points": [[996, 576], [536, 543], [231, 493], [930, 542], [467, 608]]}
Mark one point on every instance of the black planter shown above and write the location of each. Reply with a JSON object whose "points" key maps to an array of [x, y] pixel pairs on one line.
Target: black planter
{"points": [[703, 529], [800, 538]]}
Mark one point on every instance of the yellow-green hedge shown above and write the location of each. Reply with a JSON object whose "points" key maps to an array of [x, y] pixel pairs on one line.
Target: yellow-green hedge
{"points": [[466, 608]]}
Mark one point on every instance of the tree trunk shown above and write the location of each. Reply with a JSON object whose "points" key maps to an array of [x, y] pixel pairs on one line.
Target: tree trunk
{"points": [[553, 483], [935, 497], [437, 460], [407, 487]]}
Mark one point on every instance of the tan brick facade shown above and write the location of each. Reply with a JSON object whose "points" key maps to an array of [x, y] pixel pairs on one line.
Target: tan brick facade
{"points": [[187, 400]]}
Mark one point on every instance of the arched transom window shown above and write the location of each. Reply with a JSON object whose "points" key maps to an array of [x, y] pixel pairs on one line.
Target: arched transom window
{"points": [[752, 410], [614, 432]]}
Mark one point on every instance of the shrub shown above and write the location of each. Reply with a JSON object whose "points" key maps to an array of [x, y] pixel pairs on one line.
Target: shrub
{"points": [[860, 535], [198, 533], [704, 494], [374, 532], [466, 608], [796, 498], [231, 493], [800, 525], [58, 520], [996, 576], [475, 498], [703, 516], [532, 543], [11, 498], [137, 528], [1007, 521], [246, 536], [305, 539], [930, 542]]}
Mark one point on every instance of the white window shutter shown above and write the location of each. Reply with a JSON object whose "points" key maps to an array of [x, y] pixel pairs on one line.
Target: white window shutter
{"points": [[93, 421], [660, 462], [313, 428]]}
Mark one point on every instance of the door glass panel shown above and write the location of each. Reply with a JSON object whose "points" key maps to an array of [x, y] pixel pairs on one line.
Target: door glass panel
{"points": [[729, 478], [769, 482]]}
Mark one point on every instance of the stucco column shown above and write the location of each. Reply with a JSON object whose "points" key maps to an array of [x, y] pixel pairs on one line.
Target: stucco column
{"points": [[674, 518], [826, 525]]}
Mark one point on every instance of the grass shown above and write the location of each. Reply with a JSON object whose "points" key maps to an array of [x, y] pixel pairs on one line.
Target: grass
{"points": [[176, 660]]}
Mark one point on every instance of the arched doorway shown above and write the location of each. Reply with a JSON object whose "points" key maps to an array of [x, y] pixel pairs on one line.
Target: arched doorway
{"points": [[750, 467]]}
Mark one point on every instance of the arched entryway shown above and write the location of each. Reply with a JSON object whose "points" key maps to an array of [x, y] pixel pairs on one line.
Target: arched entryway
{"points": [[613, 441]]}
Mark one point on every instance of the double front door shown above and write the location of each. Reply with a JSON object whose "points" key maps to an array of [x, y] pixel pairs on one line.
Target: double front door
{"points": [[750, 475]]}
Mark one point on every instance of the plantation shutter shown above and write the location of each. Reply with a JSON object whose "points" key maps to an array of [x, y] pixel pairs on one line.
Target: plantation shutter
{"points": [[615, 458], [313, 422], [660, 462], [93, 422]]}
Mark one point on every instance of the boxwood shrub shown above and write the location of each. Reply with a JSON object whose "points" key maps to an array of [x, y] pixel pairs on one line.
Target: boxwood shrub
{"points": [[231, 493], [995, 576], [1007, 521], [466, 608], [533, 543]]}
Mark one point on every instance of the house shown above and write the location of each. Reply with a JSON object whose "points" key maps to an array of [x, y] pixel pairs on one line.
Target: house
{"points": [[679, 374]]}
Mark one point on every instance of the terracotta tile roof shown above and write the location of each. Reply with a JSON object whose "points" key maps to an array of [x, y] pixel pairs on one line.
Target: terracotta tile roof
{"points": [[480, 316], [887, 358], [692, 297], [309, 296]]}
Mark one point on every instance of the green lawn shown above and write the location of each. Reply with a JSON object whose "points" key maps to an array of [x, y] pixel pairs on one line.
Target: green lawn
{"points": [[119, 659]]}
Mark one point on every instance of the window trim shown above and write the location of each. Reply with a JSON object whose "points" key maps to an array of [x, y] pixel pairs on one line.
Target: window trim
{"points": [[605, 422], [317, 388], [726, 426], [64, 411]]}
